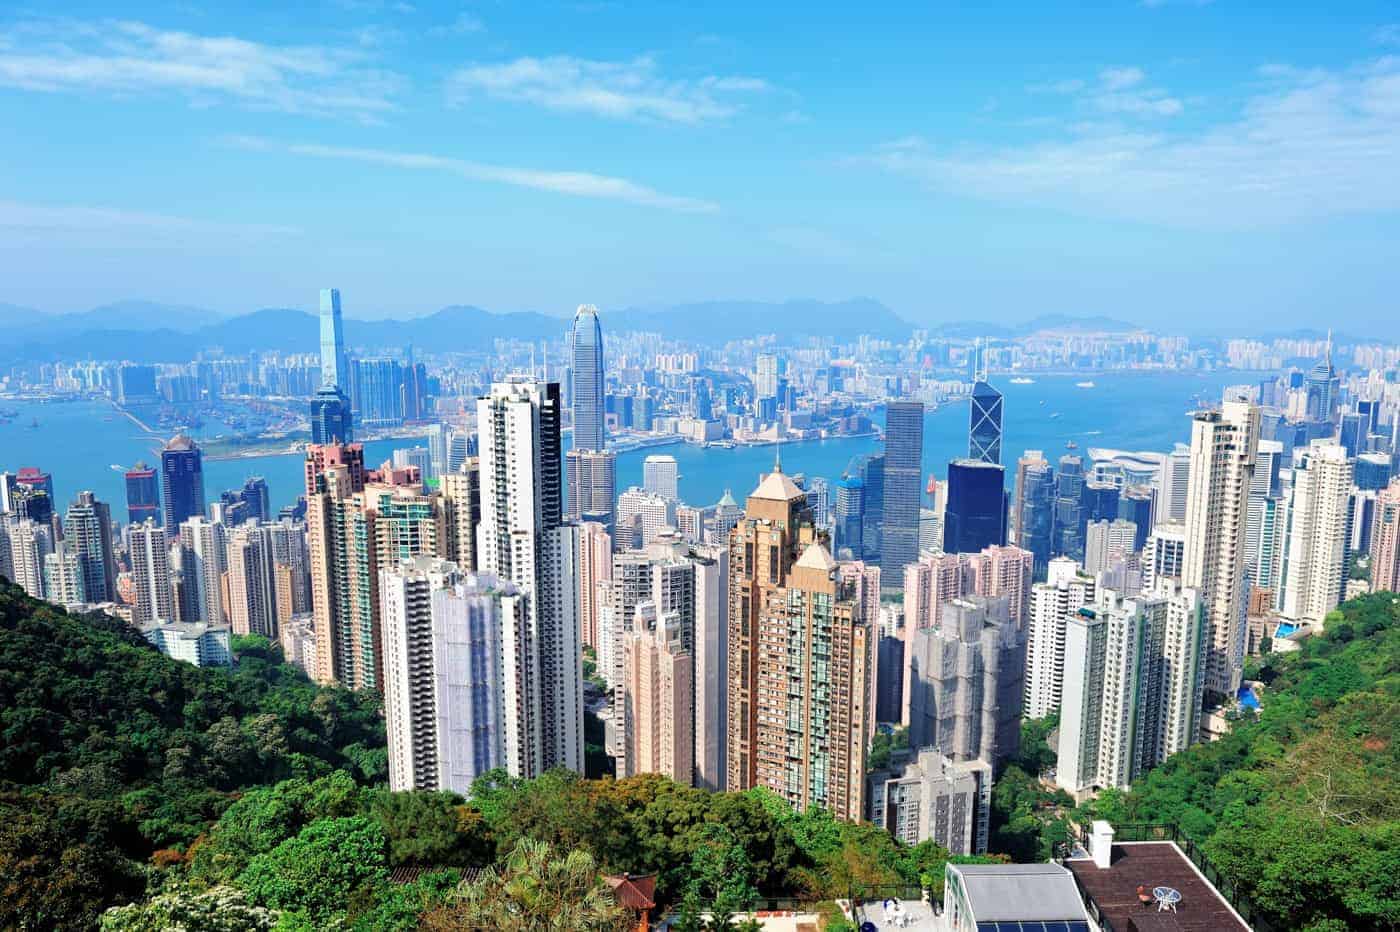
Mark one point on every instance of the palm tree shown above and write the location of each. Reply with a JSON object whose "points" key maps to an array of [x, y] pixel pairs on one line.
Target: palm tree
{"points": [[535, 891]]}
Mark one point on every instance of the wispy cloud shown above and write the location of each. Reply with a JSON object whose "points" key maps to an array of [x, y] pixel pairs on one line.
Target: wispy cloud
{"points": [[575, 183], [462, 25], [124, 57], [49, 218], [1389, 34], [1308, 143], [624, 90]]}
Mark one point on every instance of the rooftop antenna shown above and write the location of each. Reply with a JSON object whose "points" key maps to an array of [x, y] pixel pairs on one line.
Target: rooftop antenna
{"points": [[778, 456], [1328, 354]]}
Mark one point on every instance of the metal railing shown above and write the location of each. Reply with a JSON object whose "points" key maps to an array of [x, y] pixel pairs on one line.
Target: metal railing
{"points": [[1146, 831]]}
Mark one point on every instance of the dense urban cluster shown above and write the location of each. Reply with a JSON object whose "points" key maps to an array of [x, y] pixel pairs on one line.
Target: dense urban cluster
{"points": [[879, 646]]}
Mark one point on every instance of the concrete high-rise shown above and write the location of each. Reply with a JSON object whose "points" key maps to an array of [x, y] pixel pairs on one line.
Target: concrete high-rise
{"points": [[444, 686], [522, 539], [87, 528], [1385, 540], [967, 681], [150, 571], [661, 476], [1133, 680], [594, 565], [1315, 540], [1173, 484], [252, 585], [592, 487], [1106, 543], [659, 698], [586, 346], [182, 481], [1223, 447], [461, 507], [904, 455], [1065, 591], [799, 659], [30, 542], [206, 546], [63, 576]]}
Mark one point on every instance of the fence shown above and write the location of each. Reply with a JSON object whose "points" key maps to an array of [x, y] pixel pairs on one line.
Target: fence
{"points": [[1143, 831]]}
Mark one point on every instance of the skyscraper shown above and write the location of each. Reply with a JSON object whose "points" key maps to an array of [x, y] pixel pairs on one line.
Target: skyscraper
{"points": [[984, 423], [331, 420], [799, 659], [587, 347], [87, 527], [1323, 388], [142, 494], [1314, 533], [443, 680], [1173, 483], [661, 476], [63, 576], [1223, 447], [967, 681], [1133, 677], [659, 699], [849, 518], [592, 487], [594, 565], [1053, 602], [522, 539], [150, 571], [904, 453], [207, 548], [1033, 512], [1385, 540], [252, 594], [975, 515], [334, 473], [182, 481]]}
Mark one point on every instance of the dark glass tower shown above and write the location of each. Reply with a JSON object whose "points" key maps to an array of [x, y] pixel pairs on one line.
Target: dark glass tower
{"points": [[142, 494], [1036, 521], [904, 459], [850, 515], [870, 469], [975, 514], [182, 474], [330, 417], [984, 424], [1069, 508]]}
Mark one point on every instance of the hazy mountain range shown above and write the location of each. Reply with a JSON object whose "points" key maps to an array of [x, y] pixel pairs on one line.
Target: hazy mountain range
{"points": [[146, 331]]}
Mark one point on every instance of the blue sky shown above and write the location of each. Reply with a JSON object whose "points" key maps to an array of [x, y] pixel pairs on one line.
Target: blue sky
{"points": [[1172, 162]]}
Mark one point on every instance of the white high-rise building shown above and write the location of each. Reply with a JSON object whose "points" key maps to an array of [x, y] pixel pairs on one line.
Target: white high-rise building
{"points": [[1065, 591], [64, 583], [150, 571], [30, 543], [1106, 543], [661, 476], [252, 593], [1315, 533], [209, 559], [1173, 483], [1133, 679], [87, 527], [641, 517], [444, 699], [592, 487], [1223, 445], [1164, 554], [522, 539]]}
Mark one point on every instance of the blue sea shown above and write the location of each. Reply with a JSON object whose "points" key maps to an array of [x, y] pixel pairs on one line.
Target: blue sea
{"points": [[79, 442]]}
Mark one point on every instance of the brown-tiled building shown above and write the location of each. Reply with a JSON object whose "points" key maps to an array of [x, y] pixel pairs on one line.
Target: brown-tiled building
{"points": [[637, 895], [799, 659]]}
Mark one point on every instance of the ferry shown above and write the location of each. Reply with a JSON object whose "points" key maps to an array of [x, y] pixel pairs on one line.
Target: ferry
{"points": [[1071, 445], [1022, 380], [1054, 414], [1083, 384]]}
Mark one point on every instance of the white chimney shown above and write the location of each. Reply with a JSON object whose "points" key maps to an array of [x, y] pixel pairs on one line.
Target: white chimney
{"points": [[1101, 844]]}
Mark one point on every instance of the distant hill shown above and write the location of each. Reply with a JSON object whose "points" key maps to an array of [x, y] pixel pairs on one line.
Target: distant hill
{"points": [[146, 332], [1095, 324], [718, 321]]}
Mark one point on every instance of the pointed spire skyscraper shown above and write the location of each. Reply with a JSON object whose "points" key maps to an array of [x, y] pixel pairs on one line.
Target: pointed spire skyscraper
{"points": [[330, 409]]}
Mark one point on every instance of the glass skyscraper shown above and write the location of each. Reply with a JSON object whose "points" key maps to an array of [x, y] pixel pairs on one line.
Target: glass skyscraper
{"points": [[904, 452], [142, 494], [182, 475], [975, 515], [331, 421], [587, 347], [984, 424]]}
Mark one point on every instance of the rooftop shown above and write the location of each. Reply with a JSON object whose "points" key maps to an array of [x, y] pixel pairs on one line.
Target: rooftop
{"points": [[816, 557], [777, 487], [1020, 892], [1152, 864]]}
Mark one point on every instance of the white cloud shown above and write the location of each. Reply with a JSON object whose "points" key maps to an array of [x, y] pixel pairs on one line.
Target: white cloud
{"points": [[1311, 143], [575, 183], [1115, 79], [48, 218], [618, 90], [123, 57], [1389, 34], [464, 24]]}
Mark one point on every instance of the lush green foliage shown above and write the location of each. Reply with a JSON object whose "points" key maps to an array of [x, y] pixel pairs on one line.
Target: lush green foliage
{"points": [[1301, 806], [114, 755]]}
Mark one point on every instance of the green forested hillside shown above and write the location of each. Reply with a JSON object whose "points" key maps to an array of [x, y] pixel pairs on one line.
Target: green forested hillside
{"points": [[111, 752], [1301, 806]]}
